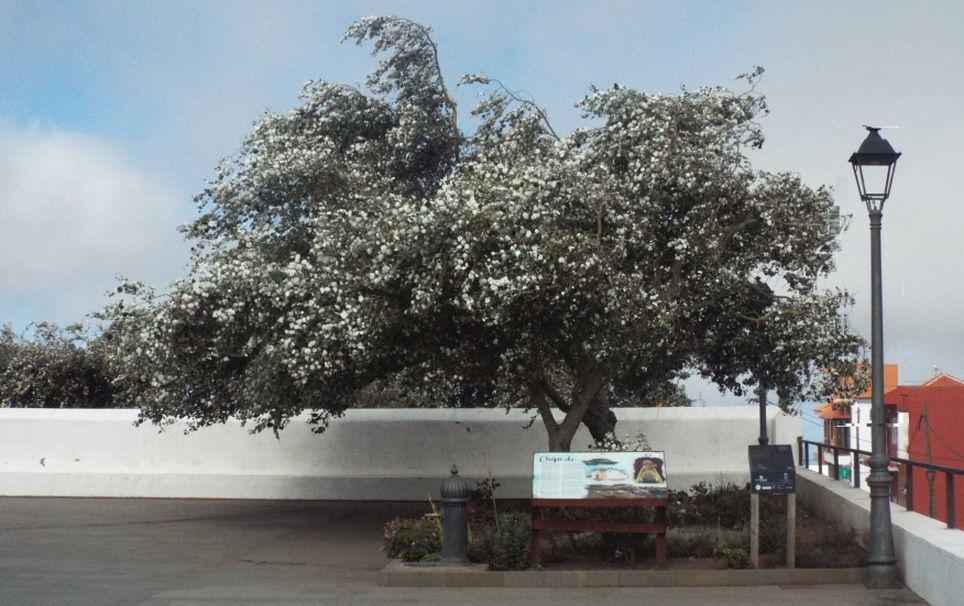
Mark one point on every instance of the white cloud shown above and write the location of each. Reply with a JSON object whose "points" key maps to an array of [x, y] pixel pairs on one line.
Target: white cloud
{"points": [[74, 212]]}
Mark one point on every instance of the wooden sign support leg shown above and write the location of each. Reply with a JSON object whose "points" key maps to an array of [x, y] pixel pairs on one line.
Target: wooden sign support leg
{"points": [[535, 552], [661, 538], [791, 530], [755, 530]]}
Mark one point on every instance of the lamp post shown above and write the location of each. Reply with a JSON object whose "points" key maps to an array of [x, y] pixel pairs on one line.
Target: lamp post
{"points": [[761, 394], [873, 166]]}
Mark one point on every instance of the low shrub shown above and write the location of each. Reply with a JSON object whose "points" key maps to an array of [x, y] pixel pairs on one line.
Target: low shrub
{"points": [[482, 507], [691, 542], [734, 557], [497, 537], [625, 546], [510, 543], [725, 504], [705, 542], [413, 539]]}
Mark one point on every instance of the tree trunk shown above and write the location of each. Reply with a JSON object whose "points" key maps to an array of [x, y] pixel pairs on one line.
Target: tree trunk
{"points": [[600, 420], [587, 405], [587, 392], [560, 443]]}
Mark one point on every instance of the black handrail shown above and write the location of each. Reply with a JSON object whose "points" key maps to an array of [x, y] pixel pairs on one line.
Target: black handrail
{"points": [[803, 449]]}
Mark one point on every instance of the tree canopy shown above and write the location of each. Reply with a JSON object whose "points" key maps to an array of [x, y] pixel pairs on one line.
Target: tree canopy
{"points": [[363, 237], [55, 368]]}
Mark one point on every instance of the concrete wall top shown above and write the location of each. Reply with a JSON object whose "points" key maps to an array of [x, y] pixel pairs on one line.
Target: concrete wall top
{"points": [[358, 414], [365, 445]]}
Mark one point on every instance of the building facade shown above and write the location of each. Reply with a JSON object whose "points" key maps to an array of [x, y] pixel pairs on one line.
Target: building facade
{"points": [[924, 423]]}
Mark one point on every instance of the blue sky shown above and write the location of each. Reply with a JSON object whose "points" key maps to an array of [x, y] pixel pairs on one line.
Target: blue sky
{"points": [[114, 114]]}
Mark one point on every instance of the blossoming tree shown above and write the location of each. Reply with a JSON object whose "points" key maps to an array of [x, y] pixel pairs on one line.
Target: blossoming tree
{"points": [[364, 238]]}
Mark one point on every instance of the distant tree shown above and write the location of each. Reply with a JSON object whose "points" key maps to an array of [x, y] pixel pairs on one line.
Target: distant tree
{"points": [[363, 238], [56, 368]]}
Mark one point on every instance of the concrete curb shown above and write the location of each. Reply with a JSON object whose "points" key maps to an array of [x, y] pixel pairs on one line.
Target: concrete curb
{"points": [[399, 574]]}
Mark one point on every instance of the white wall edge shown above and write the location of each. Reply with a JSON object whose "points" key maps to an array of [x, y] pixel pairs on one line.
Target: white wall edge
{"points": [[930, 555], [377, 454]]}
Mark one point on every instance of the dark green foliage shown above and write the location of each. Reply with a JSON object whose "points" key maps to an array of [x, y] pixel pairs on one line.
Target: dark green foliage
{"points": [[56, 368], [733, 557], [413, 540], [482, 507], [706, 522], [717, 520], [721, 517], [510, 543], [625, 546], [499, 539], [731, 546], [726, 505], [691, 542]]}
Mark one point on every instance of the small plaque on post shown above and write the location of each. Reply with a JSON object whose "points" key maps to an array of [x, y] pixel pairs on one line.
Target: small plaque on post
{"points": [[772, 469]]}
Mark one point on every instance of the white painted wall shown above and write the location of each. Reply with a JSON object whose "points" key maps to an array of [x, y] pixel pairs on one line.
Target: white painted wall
{"points": [[860, 431], [930, 555], [368, 454]]}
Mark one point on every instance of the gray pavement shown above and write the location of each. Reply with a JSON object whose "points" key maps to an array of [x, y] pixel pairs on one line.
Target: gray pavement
{"points": [[205, 552]]}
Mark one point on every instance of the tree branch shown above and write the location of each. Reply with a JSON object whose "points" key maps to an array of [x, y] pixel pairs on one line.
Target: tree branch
{"points": [[587, 386], [441, 82], [538, 397], [555, 396], [530, 103]]}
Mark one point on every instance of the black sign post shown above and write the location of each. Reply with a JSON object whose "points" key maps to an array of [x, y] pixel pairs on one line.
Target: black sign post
{"points": [[772, 471]]}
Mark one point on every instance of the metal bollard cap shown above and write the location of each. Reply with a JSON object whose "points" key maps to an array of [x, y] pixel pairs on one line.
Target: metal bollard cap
{"points": [[454, 487]]}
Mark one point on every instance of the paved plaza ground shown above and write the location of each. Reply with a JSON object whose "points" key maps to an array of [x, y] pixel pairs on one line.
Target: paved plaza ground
{"points": [[178, 552]]}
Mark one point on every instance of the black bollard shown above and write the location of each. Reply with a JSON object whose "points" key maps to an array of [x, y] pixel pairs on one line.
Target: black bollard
{"points": [[455, 530]]}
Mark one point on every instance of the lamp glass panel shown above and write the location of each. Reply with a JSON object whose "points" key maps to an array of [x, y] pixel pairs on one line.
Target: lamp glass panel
{"points": [[875, 180]]}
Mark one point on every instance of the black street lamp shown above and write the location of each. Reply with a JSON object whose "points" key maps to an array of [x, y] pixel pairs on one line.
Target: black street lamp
{"points": [[873, 167]]}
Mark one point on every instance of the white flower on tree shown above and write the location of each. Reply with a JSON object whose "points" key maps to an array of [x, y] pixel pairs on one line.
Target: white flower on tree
{"points": [[363, 238]]}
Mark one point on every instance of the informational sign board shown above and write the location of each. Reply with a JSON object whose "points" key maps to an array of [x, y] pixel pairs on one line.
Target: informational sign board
{"points": [[602, 475], [772, 470]]}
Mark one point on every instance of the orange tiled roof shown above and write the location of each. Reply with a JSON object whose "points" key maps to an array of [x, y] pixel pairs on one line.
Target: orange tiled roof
{"points": [[827, 412], [890, 381], [942, 379]]}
